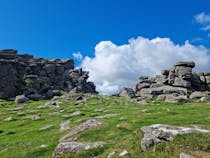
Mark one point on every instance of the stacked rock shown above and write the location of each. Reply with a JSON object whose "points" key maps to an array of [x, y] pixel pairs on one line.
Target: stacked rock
{"points": [[173, 85], [39, 78]]}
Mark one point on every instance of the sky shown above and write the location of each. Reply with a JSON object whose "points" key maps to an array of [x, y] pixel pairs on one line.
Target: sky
{"points": [[115, 40]]}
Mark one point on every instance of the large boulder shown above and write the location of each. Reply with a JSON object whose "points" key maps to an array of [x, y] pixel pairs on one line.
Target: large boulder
{"points": [[21, 99], [127, 93], [166, 89], [72, 147], [157, 133], [197, 95]]}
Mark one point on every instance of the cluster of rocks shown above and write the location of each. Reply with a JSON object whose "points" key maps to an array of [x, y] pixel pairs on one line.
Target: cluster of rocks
{"points": [[38, 78], [174, 85]]}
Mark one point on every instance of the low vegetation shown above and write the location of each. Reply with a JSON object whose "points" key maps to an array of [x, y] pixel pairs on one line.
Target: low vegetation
{"points": [[31, 132]]}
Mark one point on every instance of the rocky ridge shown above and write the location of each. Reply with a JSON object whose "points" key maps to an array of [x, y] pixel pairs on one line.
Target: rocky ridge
{"points": [[177, 84], [38, 78]]}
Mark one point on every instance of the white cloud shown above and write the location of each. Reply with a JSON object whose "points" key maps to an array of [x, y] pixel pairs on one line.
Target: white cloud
{"points": [[78, 56], [115, 66], [205, 28], [209, 35], [202, 18]]}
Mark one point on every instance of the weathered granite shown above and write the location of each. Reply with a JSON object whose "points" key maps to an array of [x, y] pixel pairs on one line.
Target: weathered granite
{"points": [[38, 78]]}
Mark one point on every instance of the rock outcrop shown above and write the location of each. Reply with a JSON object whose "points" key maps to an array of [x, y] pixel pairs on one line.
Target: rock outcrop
{"points": [[157, 133], [172, 85], [38, 78]]}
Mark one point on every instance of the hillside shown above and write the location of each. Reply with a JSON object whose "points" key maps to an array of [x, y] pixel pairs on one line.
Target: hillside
{"points": [[33, 129]]}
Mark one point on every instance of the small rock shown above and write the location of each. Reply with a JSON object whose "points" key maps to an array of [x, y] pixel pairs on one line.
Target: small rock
{"points": [[2, 104], [21, 113], [205, 98], [144, 110], [76, 113], [9, 119], [45, 127], [54, 113], [16, 108], [33, 111], [21, 99], [184, 155], [44, 146], [32, 117], [111, 154], [123, 153], [64, 126], [141, 102], [106, 116]]}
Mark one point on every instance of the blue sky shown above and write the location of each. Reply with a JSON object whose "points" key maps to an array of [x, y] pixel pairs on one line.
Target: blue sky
{"points": [[118, 40], [57, 28]]}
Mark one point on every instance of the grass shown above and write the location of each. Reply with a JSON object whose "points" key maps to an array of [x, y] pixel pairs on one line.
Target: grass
{"points": [[23, 138]]}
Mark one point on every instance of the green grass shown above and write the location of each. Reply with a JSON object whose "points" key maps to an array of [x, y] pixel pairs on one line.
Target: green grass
{"points": [[22, 138]]}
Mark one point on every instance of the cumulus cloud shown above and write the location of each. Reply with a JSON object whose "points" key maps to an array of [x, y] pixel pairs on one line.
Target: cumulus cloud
{"points": [[115, 66], [78, 56]]}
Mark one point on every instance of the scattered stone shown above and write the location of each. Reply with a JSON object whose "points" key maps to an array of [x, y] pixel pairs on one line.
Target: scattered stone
{"points": [[64, 126], [154, 134], [50, 104], [2, 104], [21, 113], [184, 155], [9, 119], [106, 116], [82, 127], [1, 131], [111, 154], [141, 102], [123, 153], [33, 111], [56, 113], [21, 99], [16, 108], [76, 113], [32, 117], [205, 98], [65, 148], [44, 146], [144, 111], [98, 110], [45, 127]]}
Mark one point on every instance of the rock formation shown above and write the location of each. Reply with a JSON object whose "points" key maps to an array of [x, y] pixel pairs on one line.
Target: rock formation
{"points": [[172, 85], [38, 78]]}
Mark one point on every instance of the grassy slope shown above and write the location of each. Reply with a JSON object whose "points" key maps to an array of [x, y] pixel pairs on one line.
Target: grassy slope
{"points": [[119, 132]]}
